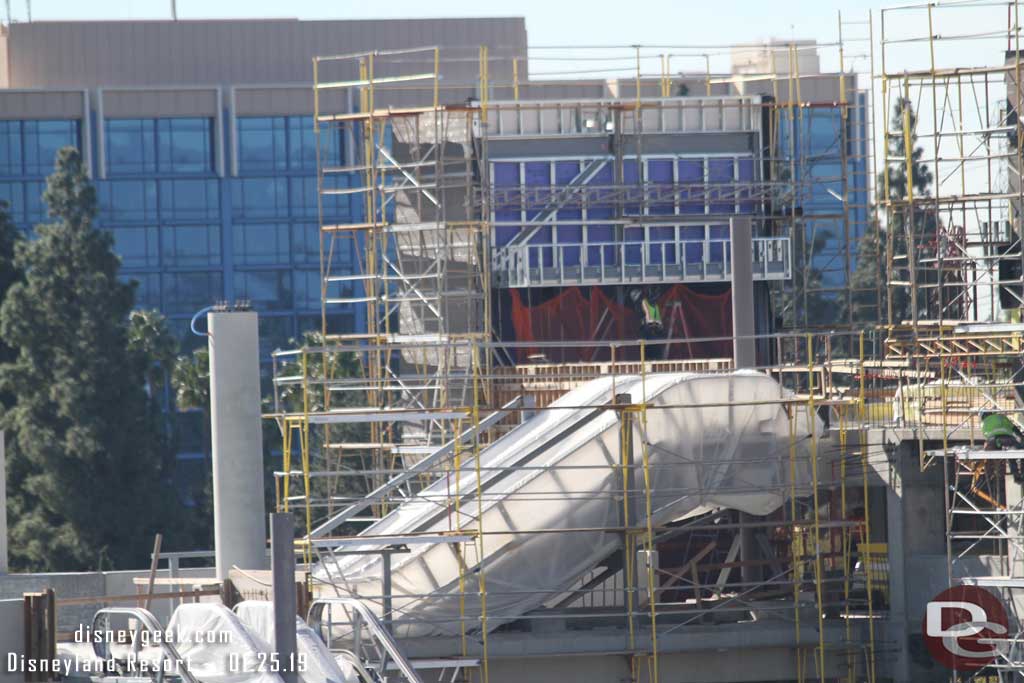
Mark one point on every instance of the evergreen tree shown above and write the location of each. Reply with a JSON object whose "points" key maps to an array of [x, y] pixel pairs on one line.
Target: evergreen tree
{"points": [[10, 237], [89, 474], [868, 281], [190, 381], [153, 345]]}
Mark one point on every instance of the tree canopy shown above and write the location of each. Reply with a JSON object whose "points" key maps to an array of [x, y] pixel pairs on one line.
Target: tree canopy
{"points": [[90, 466]]}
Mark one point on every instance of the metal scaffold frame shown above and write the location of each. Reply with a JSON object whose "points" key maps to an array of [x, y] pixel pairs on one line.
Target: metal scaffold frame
{"points": [[946, 254], [944, 247], [429, 395]]}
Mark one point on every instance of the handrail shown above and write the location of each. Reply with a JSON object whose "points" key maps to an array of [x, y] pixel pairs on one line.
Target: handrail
{"points": [[144, 618], [361, 671], [420, 467], [374, 625], [516, 261]]}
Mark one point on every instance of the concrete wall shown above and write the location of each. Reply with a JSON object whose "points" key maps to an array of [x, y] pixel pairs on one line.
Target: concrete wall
{"points": [[81, 585], [11, 638], [109, 53], [29, 104]]}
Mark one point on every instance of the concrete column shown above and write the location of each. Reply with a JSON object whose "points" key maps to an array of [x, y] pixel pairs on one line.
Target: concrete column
{"points": [[742, 293], [239, 512], [744, 355], [282, 551]]}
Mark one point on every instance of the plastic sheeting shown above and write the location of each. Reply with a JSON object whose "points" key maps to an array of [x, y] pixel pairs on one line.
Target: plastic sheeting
{"points": [[561, 470], [586, 314], [317, 664], [217, 647]]}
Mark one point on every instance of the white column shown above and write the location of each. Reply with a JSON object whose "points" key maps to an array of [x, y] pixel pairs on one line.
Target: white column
{"points": [[239, 515]]}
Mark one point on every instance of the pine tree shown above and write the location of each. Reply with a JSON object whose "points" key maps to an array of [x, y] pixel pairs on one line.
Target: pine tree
{"points": [[10, 237], [869, 278], [89, 473]]}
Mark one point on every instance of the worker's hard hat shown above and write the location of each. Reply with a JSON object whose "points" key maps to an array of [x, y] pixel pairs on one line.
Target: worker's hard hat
{"points": [[994, 424]]}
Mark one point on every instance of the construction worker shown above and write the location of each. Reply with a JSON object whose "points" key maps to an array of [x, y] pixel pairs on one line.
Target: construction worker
{"points": [[651, 326], [650, 315], [1001, 434]]}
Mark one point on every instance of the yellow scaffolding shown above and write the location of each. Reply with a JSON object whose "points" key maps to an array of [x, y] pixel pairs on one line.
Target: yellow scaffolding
{"points": [[446, 376]]}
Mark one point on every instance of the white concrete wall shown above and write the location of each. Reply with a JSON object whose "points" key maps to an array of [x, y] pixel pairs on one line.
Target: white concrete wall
{"points": [[82, 585], [11, 638]]}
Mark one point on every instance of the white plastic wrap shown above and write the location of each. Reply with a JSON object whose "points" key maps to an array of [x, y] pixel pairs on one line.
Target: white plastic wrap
{"points": [[317, 665], [217, 647], [713, 441]]}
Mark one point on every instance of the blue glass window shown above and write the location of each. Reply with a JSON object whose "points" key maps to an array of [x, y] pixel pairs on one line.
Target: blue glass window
{"points": [[302, 143], [190, 245], [131, 146], [138, 247], [43, 139], [262, 145], [306, 245], [28, 148], [132, 201], [10, 148], [25, 203], [185, 145], [261, 243], [188, 292], [303, 197], [285, 143], [307, 289], [266, 289], [168, 145], [262, 197], [188, 200]]}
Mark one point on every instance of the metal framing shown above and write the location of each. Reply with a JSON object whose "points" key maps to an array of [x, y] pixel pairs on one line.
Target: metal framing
{"points": [[430, 397]]}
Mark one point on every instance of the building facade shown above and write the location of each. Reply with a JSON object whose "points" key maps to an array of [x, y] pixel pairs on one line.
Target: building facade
{"points": [[199, 137]]}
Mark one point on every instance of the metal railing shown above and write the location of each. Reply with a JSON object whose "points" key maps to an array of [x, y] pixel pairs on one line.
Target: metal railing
{"points": [[647, 261], [360, 618], [143, 619]]}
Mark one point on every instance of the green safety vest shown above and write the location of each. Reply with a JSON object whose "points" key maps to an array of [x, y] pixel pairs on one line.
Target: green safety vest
{"points": [[652, 316]]}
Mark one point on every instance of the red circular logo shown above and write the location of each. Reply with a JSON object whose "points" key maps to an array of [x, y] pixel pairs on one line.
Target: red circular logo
{"points": [[964, 627]]}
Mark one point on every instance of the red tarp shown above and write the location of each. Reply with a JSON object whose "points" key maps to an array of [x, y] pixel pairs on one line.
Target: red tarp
{"points": [[588, 314]]}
